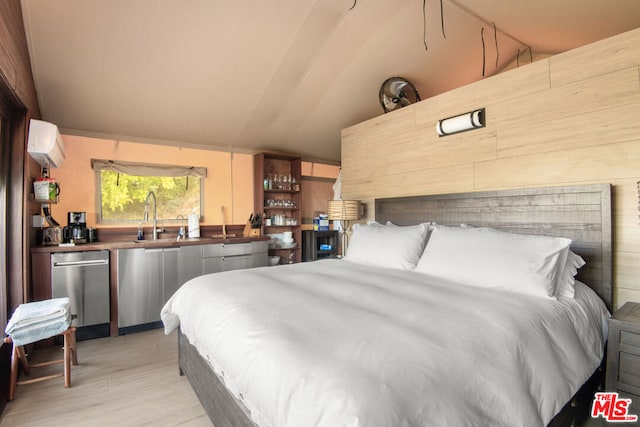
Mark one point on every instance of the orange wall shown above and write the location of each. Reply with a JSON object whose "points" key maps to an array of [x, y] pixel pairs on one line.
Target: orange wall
{"points": [[229, 181]]}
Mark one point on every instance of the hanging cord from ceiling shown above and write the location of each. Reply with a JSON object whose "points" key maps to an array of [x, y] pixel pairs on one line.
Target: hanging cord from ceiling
{"points": [[530, 56], [424, 22], [454, 4], [442, 19], [484, 51], [495, 39], [459, 8]]}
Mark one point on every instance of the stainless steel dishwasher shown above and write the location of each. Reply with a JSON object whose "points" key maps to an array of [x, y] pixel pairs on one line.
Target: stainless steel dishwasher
{"points": [[84, 278]]}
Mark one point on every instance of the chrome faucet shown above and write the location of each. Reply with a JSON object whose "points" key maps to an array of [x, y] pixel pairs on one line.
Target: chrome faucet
{"points": [[155, 213], [181, 233]]}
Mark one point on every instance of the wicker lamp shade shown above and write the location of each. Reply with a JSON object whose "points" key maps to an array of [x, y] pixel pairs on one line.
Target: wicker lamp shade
{"points": [[344, 210]]}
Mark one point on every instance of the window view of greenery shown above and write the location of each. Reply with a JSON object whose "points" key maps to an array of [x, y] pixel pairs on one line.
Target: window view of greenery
{"points": [[123, 196]]}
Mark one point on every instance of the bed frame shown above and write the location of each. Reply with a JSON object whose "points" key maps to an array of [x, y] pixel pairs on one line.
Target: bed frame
{"points": [[581, 213]]}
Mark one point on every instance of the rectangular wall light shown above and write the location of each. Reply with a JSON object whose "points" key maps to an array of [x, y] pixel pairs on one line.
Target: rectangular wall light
{"points": [[461, 123]]}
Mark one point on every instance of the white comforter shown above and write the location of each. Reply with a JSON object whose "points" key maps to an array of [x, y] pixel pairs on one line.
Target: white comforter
{"points": [[333, 343]]}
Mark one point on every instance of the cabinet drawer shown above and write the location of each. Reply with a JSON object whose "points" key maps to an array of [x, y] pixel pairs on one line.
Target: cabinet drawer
{"points": [[237, 249], [209, 251], [630, 338], [237, 262], [259, 247], [233, 249], [629, 371]]}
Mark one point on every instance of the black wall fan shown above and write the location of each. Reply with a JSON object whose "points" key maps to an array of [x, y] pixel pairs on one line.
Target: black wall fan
{"points": [[396, 93]]}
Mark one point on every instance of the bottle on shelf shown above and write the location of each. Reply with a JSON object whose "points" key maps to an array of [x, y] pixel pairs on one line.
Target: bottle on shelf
{"points": [[277, 193]]}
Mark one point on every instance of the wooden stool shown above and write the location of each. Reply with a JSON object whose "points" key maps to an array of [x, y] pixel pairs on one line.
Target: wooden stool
{"points": [[18, 355]]}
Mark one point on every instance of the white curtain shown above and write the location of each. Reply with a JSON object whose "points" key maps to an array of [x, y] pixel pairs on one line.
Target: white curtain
{"points": [[147, 169]]}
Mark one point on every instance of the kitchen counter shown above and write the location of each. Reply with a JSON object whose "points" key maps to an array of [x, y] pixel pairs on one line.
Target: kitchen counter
{"points": [[41, 261], [149, 243]]}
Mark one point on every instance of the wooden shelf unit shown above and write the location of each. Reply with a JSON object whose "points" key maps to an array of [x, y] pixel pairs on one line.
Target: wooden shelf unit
{"points": [[268, 164]]}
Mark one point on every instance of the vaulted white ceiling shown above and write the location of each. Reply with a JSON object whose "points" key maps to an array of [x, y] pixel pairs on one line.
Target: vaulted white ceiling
{"points": [[283, 75]]}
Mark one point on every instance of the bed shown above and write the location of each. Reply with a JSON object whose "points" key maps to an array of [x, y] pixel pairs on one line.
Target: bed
{"points": [[388, 340]]}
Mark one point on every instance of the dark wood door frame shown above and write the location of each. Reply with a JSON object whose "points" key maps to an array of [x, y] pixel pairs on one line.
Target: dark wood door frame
{"points": [[18, 93], [13, 279]]}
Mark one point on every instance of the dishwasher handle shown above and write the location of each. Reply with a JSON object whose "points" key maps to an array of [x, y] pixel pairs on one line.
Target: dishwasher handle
{"points": [[83, 263]]}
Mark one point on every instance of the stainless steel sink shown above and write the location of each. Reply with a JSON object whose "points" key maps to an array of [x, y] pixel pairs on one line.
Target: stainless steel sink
{"points": [[173, 239]]}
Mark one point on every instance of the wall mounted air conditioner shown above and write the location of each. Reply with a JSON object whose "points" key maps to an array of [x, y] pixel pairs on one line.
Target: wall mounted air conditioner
{"points": [[45, 144]]}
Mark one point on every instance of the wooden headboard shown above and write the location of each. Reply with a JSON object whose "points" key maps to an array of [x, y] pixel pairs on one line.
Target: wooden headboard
{"points": [[580, 213]]}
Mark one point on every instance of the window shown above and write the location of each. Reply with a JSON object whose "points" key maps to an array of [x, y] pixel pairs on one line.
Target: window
{"points": [[123, 189]]}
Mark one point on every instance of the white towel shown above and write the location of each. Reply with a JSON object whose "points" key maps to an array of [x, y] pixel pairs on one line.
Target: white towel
{"points": [[34, 321]]}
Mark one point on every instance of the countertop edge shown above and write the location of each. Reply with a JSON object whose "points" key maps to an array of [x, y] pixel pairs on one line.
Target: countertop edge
{"points": [[132, 244]]}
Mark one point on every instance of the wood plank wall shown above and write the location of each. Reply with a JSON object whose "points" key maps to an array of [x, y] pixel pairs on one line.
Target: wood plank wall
{"points": [[573, 118]]}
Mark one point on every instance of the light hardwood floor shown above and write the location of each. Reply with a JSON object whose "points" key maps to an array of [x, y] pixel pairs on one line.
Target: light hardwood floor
{"points": [[130, 380]]}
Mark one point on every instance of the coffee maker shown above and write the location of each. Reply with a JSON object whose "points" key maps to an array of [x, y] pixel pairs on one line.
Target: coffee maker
{"points": [[76, 229]]}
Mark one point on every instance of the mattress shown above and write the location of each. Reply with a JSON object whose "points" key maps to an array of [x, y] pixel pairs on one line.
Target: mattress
{"points": [[334, 343]]}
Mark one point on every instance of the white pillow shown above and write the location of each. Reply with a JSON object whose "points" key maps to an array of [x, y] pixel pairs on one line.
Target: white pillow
{"points": [[387, 246], [489, 258], [566, 280], [426, 224]]}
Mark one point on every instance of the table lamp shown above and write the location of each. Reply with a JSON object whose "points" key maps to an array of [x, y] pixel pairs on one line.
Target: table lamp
{"points": [[344, 210]]}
